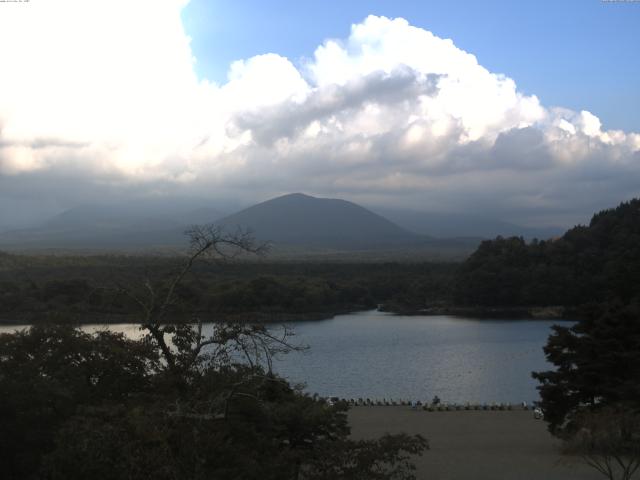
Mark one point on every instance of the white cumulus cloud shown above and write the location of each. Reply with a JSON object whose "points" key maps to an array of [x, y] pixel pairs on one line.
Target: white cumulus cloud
{"points": [[105, 93]]}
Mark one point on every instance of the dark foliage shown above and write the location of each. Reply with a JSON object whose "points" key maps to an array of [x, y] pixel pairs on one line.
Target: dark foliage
{"points": [[586, 264], [175, 404], [48, 373], [77, 406], [597, 364], [31, 288]]}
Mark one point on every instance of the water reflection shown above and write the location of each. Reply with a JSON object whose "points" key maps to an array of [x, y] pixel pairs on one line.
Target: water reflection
{"points": [[378, 355]]}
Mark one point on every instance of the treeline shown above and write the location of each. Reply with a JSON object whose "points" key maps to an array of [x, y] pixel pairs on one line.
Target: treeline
{"points": [[587, 264], [88, 288]]}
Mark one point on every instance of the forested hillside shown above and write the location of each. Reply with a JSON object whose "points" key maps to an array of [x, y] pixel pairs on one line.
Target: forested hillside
{"points": [[587, 264]]}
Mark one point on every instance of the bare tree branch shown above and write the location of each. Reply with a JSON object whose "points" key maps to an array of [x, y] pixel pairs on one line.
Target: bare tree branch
{"points": [[184, 349]]}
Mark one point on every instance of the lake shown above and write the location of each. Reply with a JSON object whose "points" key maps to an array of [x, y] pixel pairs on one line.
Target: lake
{"points": [[380, 355]]}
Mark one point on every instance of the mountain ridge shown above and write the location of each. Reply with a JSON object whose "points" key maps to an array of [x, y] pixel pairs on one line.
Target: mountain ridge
{"points": [[294, 221], [300, 219]]}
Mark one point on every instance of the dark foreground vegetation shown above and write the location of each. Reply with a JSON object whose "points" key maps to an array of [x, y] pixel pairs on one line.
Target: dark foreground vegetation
{"points": [[592, 397], [79, 406], [176, 404]]}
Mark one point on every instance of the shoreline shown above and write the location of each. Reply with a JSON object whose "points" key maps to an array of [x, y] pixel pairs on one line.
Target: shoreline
{"points": [[550, 312], [75, 318], [507, 313]]}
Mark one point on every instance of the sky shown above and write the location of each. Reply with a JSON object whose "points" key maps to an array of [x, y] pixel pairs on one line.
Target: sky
{"points": [[592, 44], [523, 111]]}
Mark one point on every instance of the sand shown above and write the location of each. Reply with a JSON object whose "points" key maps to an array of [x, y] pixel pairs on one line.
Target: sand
{"points": [[475, 445]]}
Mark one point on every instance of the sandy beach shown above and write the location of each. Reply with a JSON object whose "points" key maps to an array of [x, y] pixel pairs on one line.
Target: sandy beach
{"points": [[475, 445]]}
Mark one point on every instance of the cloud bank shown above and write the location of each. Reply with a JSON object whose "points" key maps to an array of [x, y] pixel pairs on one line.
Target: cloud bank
{"points": [[100, 100]]}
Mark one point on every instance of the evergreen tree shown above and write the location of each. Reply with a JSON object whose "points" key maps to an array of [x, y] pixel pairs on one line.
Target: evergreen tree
{"points": [[597, 364], [588, 263]]}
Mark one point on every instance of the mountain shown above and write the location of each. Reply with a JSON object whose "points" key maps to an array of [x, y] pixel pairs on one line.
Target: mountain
{"points": [[298, 219], [446, 225], [297, 224], [133, 225]]}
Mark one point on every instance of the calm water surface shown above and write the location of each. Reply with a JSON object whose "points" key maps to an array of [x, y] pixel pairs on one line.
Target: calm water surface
{"points": [[373, 354], [379, 355]]}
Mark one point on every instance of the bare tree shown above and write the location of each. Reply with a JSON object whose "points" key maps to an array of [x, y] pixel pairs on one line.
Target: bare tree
{"points": [[609, 441], [182, 343]]}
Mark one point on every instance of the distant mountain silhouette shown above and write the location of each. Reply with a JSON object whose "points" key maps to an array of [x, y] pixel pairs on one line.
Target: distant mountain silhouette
{"points": [[448, 225], [296, 222], [298, 219], [118, 226]]}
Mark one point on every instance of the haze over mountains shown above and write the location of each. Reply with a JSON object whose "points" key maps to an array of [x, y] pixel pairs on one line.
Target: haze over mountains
{"points": [[291, 220], [452, 225], [144, 224]]}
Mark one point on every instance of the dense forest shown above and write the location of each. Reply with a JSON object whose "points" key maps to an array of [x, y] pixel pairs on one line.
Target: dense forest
{"points": [[91, 288], [587, 264]]}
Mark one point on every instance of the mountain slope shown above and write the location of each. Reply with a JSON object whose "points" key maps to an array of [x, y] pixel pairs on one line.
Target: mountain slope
{"points": [[298, 219], [586, 264], [113, 226], [448, 225]]}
